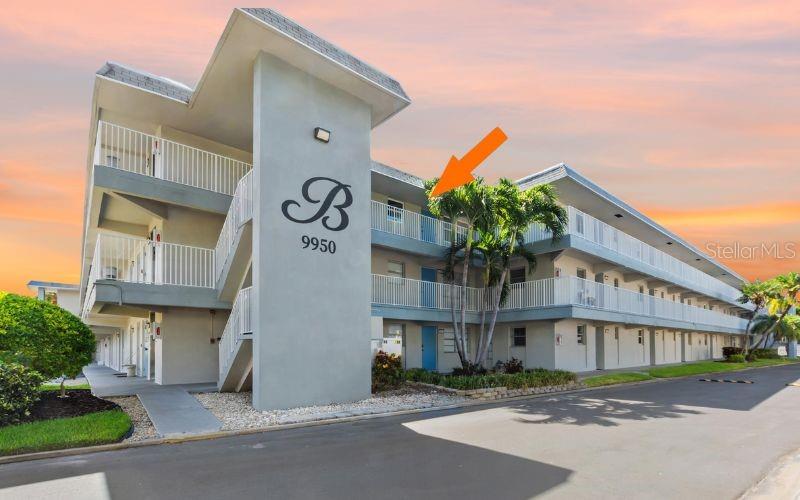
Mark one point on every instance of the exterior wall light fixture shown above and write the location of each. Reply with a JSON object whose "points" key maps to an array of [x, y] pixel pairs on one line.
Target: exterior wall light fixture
{"points": [[321, 134]]}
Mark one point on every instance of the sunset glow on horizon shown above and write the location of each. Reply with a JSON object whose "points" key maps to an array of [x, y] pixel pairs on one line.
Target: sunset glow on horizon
{"points": [[690, 113]]}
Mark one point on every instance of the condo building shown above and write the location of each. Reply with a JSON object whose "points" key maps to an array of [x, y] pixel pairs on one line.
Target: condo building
{"points": [[238, 232]]}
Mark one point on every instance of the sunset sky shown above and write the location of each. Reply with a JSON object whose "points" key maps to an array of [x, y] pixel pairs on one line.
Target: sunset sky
{"points": [[690, 111]]}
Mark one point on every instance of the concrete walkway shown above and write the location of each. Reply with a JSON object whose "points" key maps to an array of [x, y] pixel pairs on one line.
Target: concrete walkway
{"points": [[106, 382], [175, 412], [171, 408]]}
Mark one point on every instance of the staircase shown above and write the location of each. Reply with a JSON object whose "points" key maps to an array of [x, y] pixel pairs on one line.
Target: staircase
{"points": [[236, 346], [232, 263]]}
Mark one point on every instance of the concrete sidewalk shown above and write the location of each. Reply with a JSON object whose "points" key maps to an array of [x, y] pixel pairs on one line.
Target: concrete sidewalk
{"points": [[105, 382], [173, 411]]}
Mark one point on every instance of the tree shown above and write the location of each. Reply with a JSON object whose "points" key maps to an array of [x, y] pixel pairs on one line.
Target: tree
{"points": [[43, 337], [496, 219], [515, 211], [468, 207], [758, 294], [784, 295]]}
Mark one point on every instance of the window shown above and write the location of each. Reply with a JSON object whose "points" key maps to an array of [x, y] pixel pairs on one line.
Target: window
{"points": [[616, 282], [674, 337], [641, 289], [641, 337], [394, 211], [689, 302], [705, 339], [518, 337], [395, 269], [558, 272], [518, 275], [616, 333], [582, 273], [662, 295], [582, 334]]}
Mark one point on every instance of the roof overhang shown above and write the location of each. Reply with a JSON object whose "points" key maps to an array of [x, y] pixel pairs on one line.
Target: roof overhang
{"points": [[576, 190]]}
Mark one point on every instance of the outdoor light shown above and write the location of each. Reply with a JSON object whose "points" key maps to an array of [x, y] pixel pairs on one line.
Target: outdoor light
{"points": [[618, 216], [321, 134], [669, 243]]}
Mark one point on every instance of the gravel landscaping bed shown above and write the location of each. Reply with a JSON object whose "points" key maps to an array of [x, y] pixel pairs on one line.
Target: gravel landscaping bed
{"points": [[235, 410], [142, 426]]}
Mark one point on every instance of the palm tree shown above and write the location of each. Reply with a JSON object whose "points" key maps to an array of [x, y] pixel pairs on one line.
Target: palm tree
{"points": [[515, 212], [470, 205], [784, 295], [758, 294]]}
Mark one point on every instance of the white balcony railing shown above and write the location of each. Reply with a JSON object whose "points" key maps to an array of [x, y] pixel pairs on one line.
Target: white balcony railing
{"points": [[238, 327], [420, 227], [563, 291], [239, 212], [144, 154], [410, 224], [138, 260]]}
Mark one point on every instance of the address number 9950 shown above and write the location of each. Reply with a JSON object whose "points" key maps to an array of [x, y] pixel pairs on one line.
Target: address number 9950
{"points": [[319, 244]]}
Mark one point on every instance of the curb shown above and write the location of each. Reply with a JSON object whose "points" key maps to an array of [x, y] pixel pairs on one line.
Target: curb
{"points": [[41, 455]]}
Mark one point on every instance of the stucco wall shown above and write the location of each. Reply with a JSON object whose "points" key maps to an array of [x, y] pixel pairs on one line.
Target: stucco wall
{"points": [[184, 353]]}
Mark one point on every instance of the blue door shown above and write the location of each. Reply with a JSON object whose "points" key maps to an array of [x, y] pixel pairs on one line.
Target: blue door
{"points": [[429, 347], [428, 227], [428, 287]]}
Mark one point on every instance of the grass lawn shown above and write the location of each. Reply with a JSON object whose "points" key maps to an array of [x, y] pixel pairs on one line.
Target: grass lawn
{"points": [[92, 429], [616, 378], [57, 387], [701, 367], [695, 368]]}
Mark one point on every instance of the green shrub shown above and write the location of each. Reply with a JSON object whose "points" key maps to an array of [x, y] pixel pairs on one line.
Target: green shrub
{"points": [[423, 376], [735, 358], [18, 392], [387, 372], [512, 366], [729, 351], [765, 353], [43, 337]]}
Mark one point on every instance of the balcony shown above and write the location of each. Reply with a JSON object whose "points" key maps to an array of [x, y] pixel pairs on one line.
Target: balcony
{"points": [[400, 222], [551, 292], [141, 261], [132, 151], [413, 225]]}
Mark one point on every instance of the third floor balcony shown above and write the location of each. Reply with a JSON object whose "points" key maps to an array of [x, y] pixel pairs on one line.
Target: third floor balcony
{"points": [[144, 154]]}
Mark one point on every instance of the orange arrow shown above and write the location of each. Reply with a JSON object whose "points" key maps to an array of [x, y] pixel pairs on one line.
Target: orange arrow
{"points": [[459, 172]]}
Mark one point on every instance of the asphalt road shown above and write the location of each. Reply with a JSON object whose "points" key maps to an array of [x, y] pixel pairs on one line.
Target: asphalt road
{"points": [[673, 439]]}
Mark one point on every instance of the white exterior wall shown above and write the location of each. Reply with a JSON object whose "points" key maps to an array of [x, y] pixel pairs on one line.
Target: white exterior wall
{"points": [[570, 355], [184, 352]]}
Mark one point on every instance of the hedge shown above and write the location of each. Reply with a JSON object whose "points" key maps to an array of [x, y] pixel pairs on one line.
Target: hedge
{"points": [[537, 377]]}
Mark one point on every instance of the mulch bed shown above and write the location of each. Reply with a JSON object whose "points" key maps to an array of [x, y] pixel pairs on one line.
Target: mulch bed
{"points": [[80, 402]]}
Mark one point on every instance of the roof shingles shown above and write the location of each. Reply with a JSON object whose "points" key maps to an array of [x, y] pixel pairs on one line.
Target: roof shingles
{"points": [[309, 39]]}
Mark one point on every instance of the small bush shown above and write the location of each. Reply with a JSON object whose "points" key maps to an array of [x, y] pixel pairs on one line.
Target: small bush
{"points": [[469, 369], [19, 391], [387, 372], [423, 376], [765, 353], [729, 351], [735, 358], [512, 366]]}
